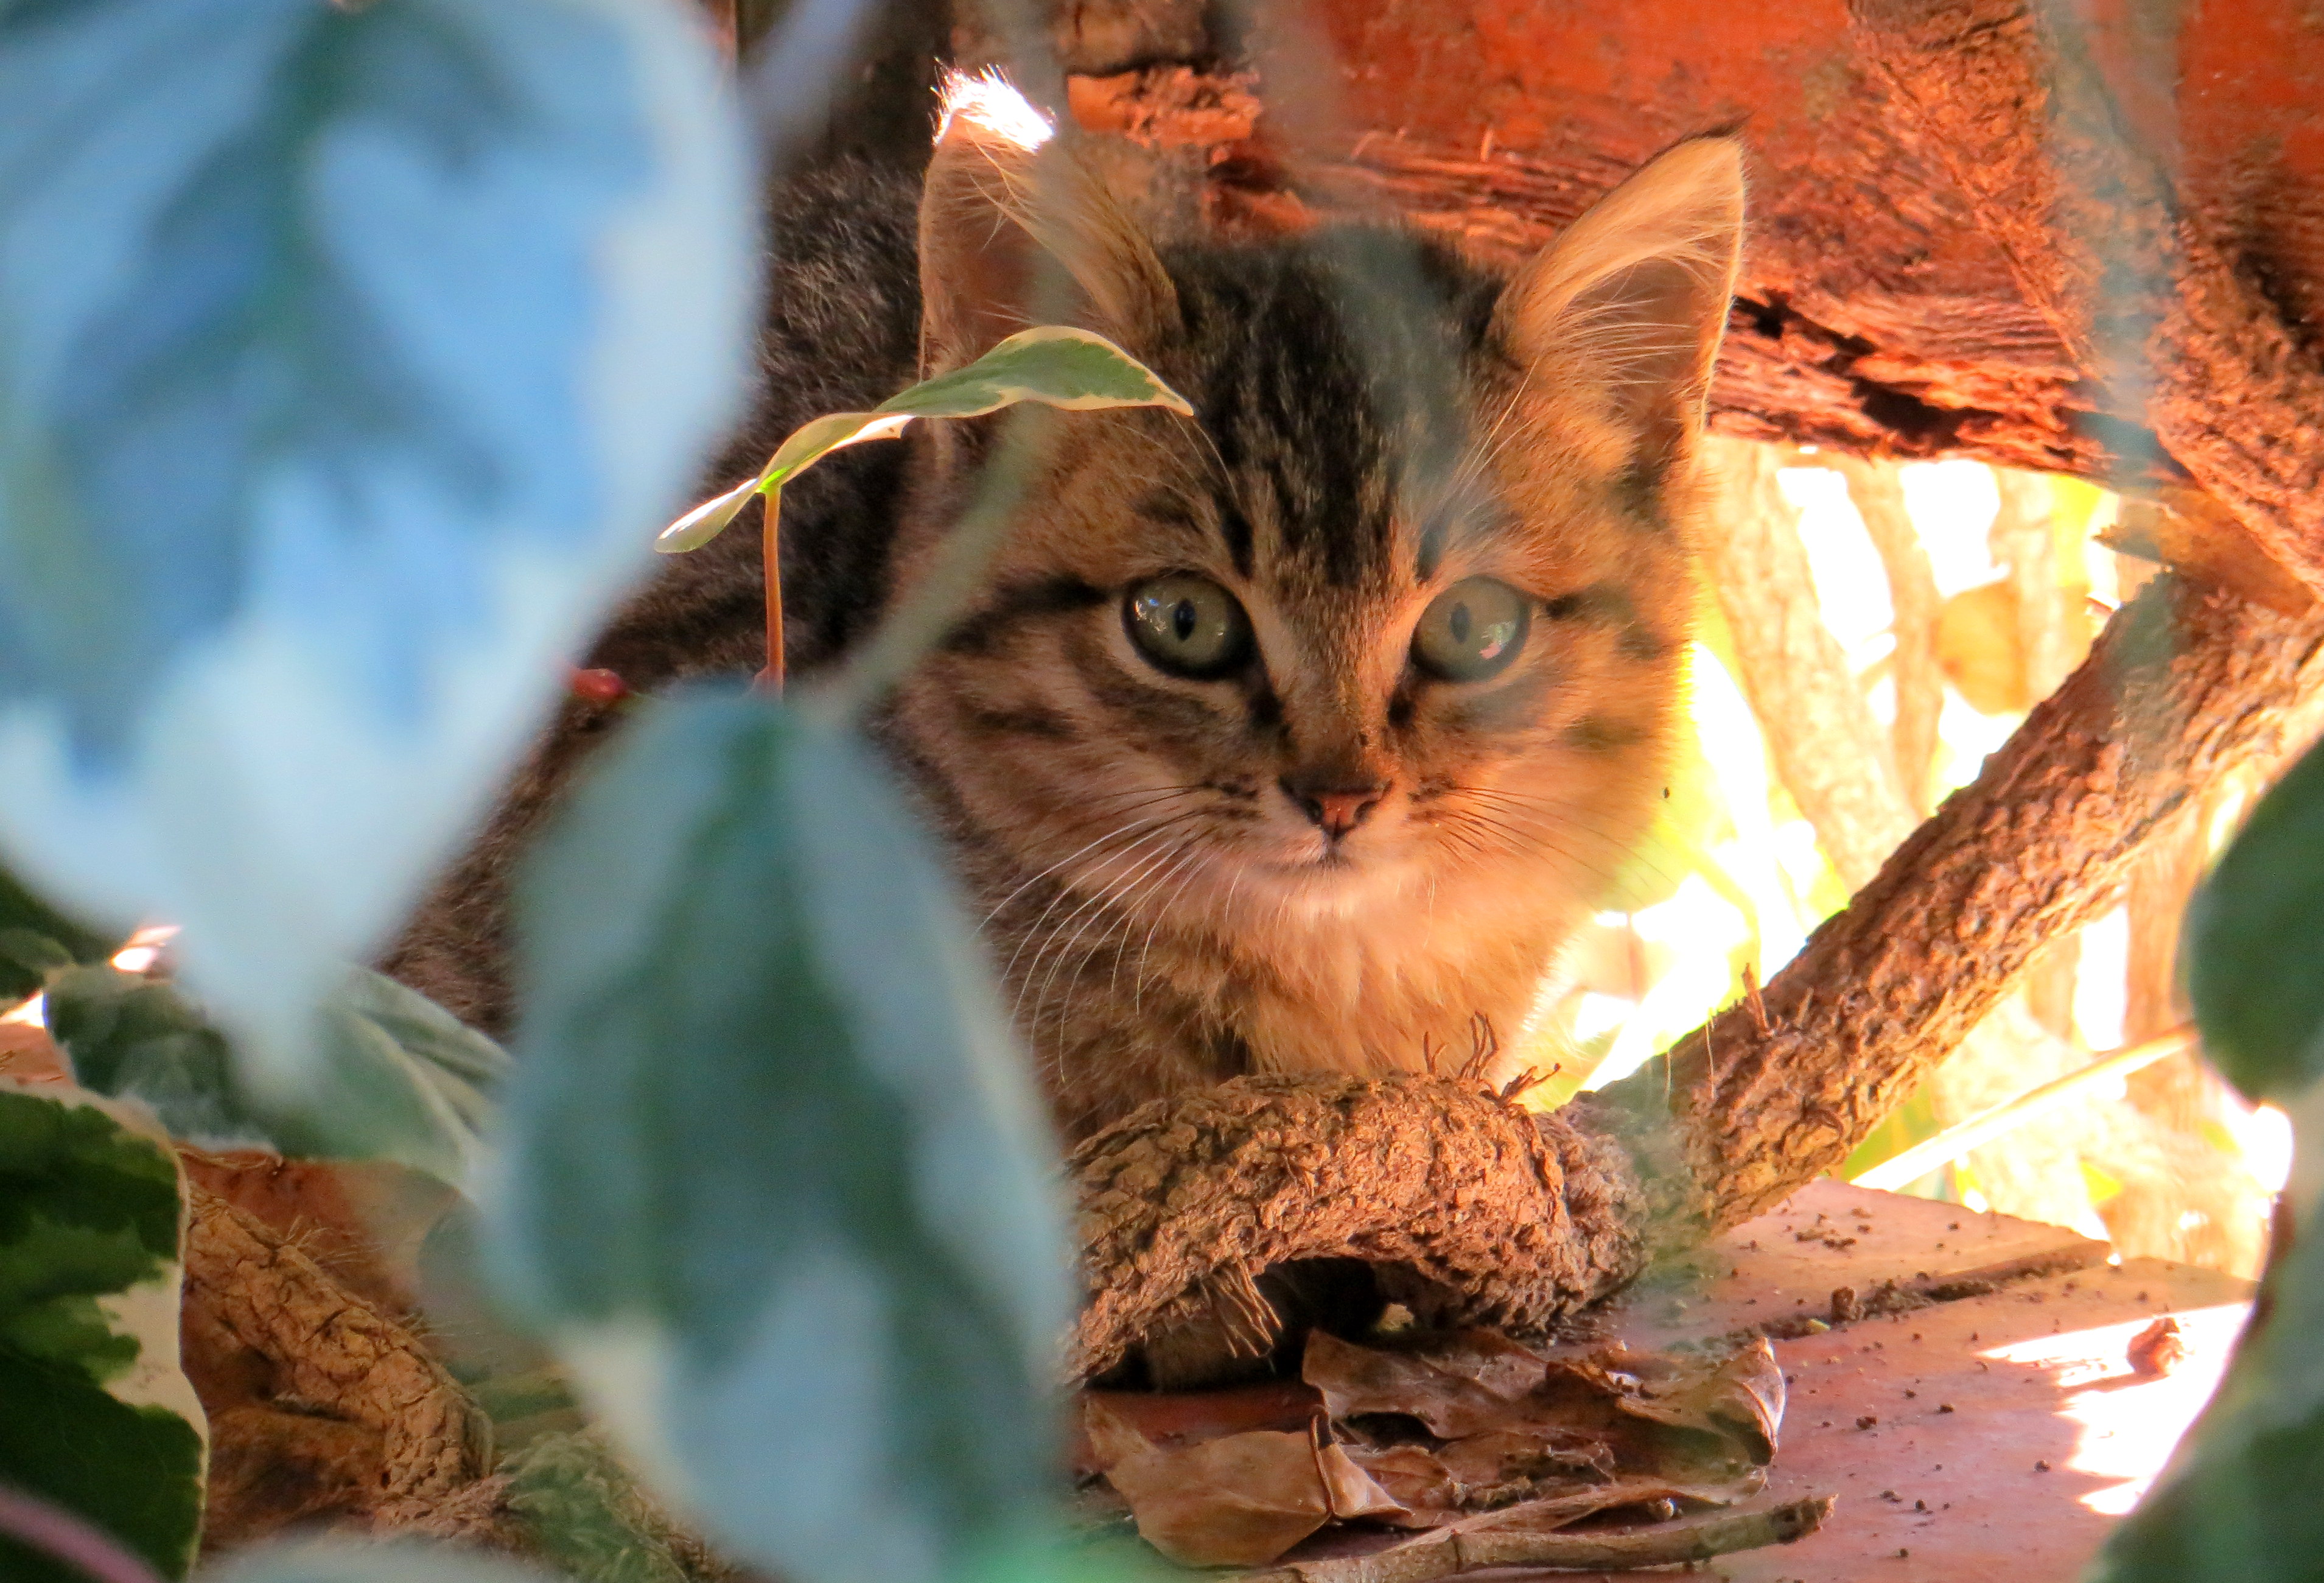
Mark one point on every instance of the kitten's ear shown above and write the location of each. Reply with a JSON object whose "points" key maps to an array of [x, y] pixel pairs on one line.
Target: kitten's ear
{"points": [[1015, 231], [1629, 304]]}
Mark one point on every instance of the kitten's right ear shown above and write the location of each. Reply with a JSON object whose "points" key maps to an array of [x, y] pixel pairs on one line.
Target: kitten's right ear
{"points": [[1628, 305], [1015, 231]]}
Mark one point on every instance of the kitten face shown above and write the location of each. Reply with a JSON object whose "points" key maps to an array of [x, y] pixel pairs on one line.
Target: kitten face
{"points": [[1300, 736], [1385, 626]]}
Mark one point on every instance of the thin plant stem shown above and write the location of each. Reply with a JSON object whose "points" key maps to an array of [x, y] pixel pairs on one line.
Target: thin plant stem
{"points": [[770, 680], [53, 1532]]}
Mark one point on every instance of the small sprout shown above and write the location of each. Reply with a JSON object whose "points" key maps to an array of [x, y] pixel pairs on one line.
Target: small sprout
{"points": [[1054, 365], [706, 521]]}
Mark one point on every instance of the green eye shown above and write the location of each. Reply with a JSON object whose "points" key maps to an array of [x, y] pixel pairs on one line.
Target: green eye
{"points": [[1186, 624], [1471, 630]]}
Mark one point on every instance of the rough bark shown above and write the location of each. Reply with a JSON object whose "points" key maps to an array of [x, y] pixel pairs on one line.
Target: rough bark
{"points": [[1967, 239], [1184, 1201], [2143, 291], [1488, 1218], [320, 1407]]}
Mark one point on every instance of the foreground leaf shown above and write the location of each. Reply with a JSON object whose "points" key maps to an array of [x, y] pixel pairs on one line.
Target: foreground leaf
{"points": [[36, 939], [95, 1412], [774, 1181], [1053, 363], [395, 1076], [2238, 1502], [341, 363], [2255, 944]]}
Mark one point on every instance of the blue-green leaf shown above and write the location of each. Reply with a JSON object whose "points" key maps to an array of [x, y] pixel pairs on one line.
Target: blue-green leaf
{"points": [[2254, 944], [396, 1077], [775, 1182], [346, 353], [95, 1412]]}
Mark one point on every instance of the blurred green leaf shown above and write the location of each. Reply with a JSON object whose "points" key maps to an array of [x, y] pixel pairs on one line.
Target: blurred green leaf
{"points": [[397, 1076], [775, 1182], [2254, 944], [418, 313], [1053, 363], [2240, 1505], [36, 939], [95, 1414]]}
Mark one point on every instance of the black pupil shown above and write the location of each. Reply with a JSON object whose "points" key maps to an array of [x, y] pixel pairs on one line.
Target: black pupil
{"points": [[1459, 622], [1182, 619]]}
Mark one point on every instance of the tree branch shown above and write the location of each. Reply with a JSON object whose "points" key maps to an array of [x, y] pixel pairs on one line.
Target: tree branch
{"points": [[2144, 294], [1449, 1551], [2182, 687]]}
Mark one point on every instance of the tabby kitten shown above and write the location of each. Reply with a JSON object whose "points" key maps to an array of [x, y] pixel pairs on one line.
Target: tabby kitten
{"points": [[1300, 737]]}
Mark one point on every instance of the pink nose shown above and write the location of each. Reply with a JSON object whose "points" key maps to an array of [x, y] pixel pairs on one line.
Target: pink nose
{"points": [[1336, 813]]}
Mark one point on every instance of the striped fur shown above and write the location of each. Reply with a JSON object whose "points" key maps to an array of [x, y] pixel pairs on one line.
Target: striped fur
{"points": [[1376, 420]]}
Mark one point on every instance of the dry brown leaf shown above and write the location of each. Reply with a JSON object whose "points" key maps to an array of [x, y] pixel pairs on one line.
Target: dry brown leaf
{"points": [[1470, 1386], [1416, 1478], [1241, 1500], [1739, 1401], [1467, 1430]]}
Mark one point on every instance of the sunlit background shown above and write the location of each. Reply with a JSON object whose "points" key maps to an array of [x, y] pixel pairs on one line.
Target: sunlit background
{"points": [[2165, 1162]]}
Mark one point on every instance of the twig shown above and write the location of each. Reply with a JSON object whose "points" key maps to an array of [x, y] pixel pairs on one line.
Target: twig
{"points": [[1526, 1080], [1954, 1142], [1448, 1552], [1755, 1000], [51, 1530]]}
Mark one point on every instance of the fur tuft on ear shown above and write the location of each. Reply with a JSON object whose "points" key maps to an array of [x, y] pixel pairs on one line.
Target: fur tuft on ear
{"points": [[1016, 231], [1630, 302]]}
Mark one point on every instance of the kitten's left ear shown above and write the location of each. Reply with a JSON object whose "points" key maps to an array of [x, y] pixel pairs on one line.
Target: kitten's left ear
{"points": [[1015, 230], [1629, 304]]}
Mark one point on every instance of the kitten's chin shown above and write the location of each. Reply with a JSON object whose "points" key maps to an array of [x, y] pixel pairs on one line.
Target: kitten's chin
{"points": [[1335, 880]]}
